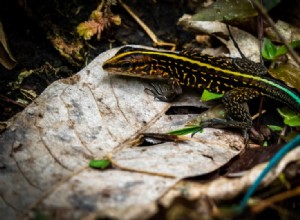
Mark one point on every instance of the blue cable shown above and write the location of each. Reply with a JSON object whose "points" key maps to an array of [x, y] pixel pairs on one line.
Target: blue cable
{"points": [[277, 157]]}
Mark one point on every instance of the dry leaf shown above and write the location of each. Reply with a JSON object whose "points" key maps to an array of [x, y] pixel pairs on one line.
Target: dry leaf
{"points": [[288, 73], [288, 31], [46, 150], [6, 57], [223, 189], [248, 44]]}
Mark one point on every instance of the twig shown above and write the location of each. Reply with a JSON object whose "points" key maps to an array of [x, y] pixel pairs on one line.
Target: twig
{"points": [[277, 198], [260, 24], [100, 6], [153, 37], [11, 101]]}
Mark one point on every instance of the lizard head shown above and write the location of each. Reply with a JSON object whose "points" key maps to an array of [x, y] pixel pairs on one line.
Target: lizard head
{"points": [[132, 61]]}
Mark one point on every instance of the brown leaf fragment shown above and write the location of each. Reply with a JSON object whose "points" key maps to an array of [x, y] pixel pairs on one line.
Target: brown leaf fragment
{"points": [[288, 31], [6, 57], [222, 188], [288, 73], [247, 42], [68, 49], [183, 208], [252, 157]]}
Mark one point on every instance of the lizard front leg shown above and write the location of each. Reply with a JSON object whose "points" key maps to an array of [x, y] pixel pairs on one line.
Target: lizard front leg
{"points": [[166, 92], [237, 115]]}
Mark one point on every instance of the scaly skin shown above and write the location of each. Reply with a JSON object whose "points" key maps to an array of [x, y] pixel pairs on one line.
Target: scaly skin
{"points": [[240, 80]]}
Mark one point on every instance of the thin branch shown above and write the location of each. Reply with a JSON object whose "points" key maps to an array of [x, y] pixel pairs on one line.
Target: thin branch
{"points": [[150, 33], [6, 99]]}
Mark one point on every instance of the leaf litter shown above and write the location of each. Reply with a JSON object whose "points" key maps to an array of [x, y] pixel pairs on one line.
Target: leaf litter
{"points": [[92, 116]]}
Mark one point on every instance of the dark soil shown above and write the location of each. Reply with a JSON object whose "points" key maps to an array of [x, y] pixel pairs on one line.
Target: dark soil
{"points": [[30, 25]]}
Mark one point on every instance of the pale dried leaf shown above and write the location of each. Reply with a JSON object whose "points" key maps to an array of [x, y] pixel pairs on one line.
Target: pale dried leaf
{"points": [[6, 57], [248, 44], [46, 149], [288, 31], [206, 153], [228, 188]]}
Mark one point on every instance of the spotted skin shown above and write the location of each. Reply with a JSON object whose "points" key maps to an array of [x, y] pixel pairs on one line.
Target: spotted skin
{"points": [[240, 80]]}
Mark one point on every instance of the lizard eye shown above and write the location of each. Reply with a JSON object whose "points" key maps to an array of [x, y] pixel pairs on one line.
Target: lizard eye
{"points": [[125, 64]]}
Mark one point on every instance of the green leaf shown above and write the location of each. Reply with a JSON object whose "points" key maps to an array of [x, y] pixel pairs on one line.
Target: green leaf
{"points": [[268, 49], [271, 4], [295, 43], [99, 164], [283, 50], [186, 130], [284, 181], [275, 127], [265, 144], [39, 215], [225, 9], [207, 95], [290, 117]]}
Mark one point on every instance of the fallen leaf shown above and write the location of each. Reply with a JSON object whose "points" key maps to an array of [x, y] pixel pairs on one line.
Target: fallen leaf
{"points": [[288, 73], [248, 44], [6, 57], [288, 31], [229, 9], [47, 148], [226, 188], [70, 50]]}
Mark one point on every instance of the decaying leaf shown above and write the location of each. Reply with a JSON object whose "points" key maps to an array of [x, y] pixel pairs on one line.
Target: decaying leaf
{"points": [[288, 31], [221, 9], [95, 116], [288, 73], [6, 57], [248, 44], [70, 50], [221, 188]]}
